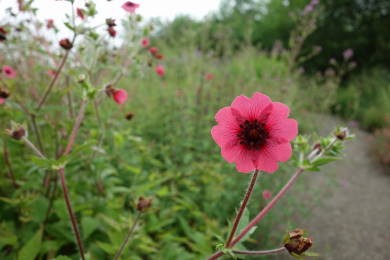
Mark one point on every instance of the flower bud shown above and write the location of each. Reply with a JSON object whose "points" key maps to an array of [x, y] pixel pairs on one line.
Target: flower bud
{"points": [[296, 243], [17, 133], [3, 34], [144, 204], [110, 22], [129, 116], [4, 93], [341, 133], [66, 44], [111, 32]]}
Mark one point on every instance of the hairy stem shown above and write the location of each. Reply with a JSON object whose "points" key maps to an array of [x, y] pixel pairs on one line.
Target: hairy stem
{"points": [[242, 207], [33, 147], [129, 233], [71, 214], [9, 165], [262, 252], [76, 127], [262, 213]]}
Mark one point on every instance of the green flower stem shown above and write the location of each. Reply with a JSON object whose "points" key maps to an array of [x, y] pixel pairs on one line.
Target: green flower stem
{"points": [[129, 233], [242, 207]]}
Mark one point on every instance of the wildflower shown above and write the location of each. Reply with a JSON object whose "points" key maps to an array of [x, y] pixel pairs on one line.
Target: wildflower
{"points": [[3, 34], [255, 133], [296, 243], [145, 42], [159, 56], [51, 72], [209, 76], [80, 13], [4, 94], [130, 7], [153, 50], [2, 101], [143, 204], [347, 54], [129, 116], [119, 96], [110, 22], [66, 44], [160, 70], [9, 72], [267, 194], [17, 132], [111, 31], [49, 23]]}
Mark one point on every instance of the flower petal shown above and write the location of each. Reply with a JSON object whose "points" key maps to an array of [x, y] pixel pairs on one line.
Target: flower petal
{"points": [[223, 135], [280, 129]]}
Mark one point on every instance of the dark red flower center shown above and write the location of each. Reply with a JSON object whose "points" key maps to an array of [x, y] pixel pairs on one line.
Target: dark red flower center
{"points": [[253, 134], [131, 5]]}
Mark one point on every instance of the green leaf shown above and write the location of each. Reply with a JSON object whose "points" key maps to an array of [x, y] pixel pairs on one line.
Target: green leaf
{"points": [[70, 27], [39, 209], [324, 160], [89, 225], [31, 249]]}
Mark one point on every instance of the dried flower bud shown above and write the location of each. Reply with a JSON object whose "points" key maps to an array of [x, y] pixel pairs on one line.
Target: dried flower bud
{"points": [[111, 31], [3, 34], [17, 133], [342, 133], [4, 93], [110, 22], [143, 204], [296, 243], [109, 90], [129, 116], [66, 44]]}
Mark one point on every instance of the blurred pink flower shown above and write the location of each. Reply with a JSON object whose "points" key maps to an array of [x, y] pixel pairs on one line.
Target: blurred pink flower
{"points": [[145, 42], [2, 101], [49, 23], [347, 54], [130, 6], [255, 133], [153, 50], [267, 195], [51, 72], [119, 96], [80, 13], [209, 76], [9, 72], [160, 70]]}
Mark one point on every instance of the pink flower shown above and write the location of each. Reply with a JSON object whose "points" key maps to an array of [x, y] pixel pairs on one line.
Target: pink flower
{"points": [[80, 13], [9, 72], [267, 194], [209, 76], [255, 133], [160, 70], [145, 42], [2, 101], [347, 54], [51, 72], [153, 50], [49, 23], [130, 6], [119, 96]]}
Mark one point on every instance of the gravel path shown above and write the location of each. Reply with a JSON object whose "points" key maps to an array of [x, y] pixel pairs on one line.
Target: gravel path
{"points": [[353, 220]]}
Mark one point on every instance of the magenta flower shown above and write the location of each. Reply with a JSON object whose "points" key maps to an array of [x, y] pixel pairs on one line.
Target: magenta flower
{"points": [[130, 6], [267, 194], [209, 76], [2, 101], [153, 50], [119, 96], [255, 133], [9, 72], [160, 70], [347, 54], [145, 42]]}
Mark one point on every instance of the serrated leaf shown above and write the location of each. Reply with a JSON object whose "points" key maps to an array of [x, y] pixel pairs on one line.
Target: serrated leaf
{"points": [[31, 249]]}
